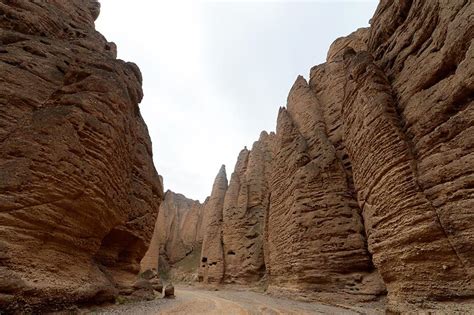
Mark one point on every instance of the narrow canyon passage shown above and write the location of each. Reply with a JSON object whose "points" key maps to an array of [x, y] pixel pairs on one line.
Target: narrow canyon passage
{"points": [[190, 300], [360, 201]]}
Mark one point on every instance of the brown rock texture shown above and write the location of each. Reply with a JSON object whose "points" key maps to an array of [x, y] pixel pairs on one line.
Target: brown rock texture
{"points": [[245, 206], [424, 74], [369, 178], [406, 236], [178, 230], [78, 189], [211, 269], [316, 239]]}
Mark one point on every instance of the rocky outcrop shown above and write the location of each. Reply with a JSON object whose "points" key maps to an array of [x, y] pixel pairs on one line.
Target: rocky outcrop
{"points": [[369, 175], [426, 56], [435, 102], [211, 269], [78, 189], [245, 206], [406, 236], [178, 230], [316, 239]]}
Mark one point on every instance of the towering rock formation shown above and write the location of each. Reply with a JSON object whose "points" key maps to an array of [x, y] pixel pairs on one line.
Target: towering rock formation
{"points": [[316, 239], [245, 206], [370, 173], [424, 74], [211, 269], [366, 187], [178, 230], [78, 189], [406, 236]]}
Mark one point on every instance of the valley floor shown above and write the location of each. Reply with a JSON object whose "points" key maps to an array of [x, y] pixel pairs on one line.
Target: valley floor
{"points": [[190, 300]]}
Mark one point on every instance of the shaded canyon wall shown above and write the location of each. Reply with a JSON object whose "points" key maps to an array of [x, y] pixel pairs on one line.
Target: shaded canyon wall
{"points": [[78, 189]]}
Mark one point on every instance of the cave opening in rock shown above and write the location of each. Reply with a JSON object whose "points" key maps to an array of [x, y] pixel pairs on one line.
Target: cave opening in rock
{"points": [[121, 248]]}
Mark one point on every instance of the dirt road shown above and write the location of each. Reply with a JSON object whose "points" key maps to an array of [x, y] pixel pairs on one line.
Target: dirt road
{"points": [[198, 301]]}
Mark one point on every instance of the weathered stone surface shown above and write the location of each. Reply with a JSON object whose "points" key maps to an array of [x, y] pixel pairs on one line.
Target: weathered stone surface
{"points": [[405, 235], [211, 269], [366, 186], [178, 230], [78, 189], [157, 284], [316, 238], [183, 220], [142, 289], [402, 127], [245, 206], [356, 41], [371, 177], [150, 260], [168, 291], [425, 50], [428, 57], [328, 81]]}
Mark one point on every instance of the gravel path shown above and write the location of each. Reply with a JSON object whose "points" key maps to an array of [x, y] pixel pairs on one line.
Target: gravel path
{"points": [[194, 301]]}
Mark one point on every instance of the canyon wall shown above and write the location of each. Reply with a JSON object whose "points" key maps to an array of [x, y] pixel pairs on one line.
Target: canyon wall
{"points": [[366, 189], [78, 189], [178, 231], [211, 269], [316, 237], [245, 205]]}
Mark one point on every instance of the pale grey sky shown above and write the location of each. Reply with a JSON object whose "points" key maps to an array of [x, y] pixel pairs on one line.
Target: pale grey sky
{"points": [[215, 73]]}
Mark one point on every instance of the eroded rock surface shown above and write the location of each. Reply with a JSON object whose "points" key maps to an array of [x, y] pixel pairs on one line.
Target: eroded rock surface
{"points": [[316, 238], [78, 189], [245, 206], [371, 168], [178, 230], [211, 269]]}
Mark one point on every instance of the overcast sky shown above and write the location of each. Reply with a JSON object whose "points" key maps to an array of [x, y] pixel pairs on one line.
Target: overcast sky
{"points": [[215, 73]]}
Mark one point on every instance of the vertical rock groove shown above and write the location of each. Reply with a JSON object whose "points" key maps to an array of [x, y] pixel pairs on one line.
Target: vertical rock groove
{"points": [[370, 184], [211, 268], [366, 188]]}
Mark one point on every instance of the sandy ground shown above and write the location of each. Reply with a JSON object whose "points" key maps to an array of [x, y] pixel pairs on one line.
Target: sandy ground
{"points": [[191, 300]]}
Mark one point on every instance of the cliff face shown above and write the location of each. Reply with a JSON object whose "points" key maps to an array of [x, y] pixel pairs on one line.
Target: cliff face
{"points": [[78, 189], [245, 206], [366, 188], [211, 269], [178, 230]]}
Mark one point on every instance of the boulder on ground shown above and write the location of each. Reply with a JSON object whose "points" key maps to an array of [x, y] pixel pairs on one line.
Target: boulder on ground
{"points": [[156, 284], [149, 274], [168, 291]]}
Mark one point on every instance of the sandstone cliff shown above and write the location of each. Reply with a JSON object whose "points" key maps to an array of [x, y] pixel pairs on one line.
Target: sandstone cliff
{"points": [[78, 189], [211, 269], [366, 188], [245, 206], [316, 238], [178, 231]]}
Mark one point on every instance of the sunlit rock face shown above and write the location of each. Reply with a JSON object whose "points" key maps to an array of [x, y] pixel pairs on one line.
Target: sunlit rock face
{"points": [[78, 189]]}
